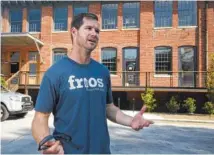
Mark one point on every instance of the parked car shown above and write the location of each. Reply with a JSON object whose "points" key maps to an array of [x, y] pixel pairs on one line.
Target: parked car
{"points": [[14, 103]]}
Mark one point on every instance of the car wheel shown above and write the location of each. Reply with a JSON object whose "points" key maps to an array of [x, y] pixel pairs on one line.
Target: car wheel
{"points": [[4, 113], [21, 115]]}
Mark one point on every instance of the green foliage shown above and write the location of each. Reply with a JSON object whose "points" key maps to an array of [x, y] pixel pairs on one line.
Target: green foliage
{"points": [[3, 82], [210, 80], [173, 106], [209, 108], [148, 99], [189, 105]]}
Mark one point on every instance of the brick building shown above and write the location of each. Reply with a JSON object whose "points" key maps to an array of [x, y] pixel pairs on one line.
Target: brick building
{"points": [[164, 45]]}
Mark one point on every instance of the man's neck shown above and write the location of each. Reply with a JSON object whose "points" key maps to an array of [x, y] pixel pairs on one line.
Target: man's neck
{"points": [[80, 55]]}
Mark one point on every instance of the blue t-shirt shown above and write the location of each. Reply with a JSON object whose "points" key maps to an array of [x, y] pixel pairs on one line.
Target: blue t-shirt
{"points": [[77, 95]]}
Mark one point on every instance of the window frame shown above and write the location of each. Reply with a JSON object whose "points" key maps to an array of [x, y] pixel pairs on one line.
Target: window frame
{"points": [[195, 52], [54, 19], [163, 73], [154, 8], [137, 16], [116, 24], [34, 62], [194, 15], [28, 25], [58, 50], [79, 5], [16, 9], [101, 58]]}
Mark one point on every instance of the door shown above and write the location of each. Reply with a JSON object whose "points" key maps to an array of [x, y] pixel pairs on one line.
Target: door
{"points": [[14, 66], [130, 66], [187, 66]]}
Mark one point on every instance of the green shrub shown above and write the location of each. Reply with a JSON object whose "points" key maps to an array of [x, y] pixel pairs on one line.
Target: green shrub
{"points": [[209, 108], [148, 99], [173, 106], [189, 105]]}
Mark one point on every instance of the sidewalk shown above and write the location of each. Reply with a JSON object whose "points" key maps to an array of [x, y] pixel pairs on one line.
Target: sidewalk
{"points": [[195, 118]]}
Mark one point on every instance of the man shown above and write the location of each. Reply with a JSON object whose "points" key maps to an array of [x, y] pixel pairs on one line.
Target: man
{"points": [[77, 90]]}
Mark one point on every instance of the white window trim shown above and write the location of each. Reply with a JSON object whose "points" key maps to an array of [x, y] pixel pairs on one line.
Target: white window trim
{"points": [[130, 29], [162, 75], [158, 28], [187, 27], [103, 30], [59, 31]]}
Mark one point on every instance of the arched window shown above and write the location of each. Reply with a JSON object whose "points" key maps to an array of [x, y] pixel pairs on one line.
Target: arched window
{"points": [[58, 54], [163, 60], [109, 58]]}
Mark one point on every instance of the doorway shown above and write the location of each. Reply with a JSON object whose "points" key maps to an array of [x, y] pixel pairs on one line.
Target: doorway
{"points": [[130, 66]]}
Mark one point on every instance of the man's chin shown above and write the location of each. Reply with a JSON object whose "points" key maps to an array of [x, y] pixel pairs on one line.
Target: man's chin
{"points": [[91, 48]]}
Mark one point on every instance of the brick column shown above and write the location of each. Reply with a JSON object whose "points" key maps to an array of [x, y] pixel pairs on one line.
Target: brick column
{"points": [[24, 20]]}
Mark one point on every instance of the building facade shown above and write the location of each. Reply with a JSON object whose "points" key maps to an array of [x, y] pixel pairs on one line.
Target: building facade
{"points": [[164, 45]]}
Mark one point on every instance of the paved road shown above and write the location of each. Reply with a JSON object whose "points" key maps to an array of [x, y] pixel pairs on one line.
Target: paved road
{"points": [[161, 138]]}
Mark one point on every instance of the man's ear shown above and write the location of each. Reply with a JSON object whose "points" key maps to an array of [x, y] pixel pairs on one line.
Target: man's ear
{"points": [[73, 31]]}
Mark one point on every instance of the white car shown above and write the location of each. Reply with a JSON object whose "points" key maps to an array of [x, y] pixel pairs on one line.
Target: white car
{"points": [[13, 103]]}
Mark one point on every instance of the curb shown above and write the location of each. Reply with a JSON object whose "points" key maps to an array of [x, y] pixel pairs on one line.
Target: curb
{"points": [[184, 120]]}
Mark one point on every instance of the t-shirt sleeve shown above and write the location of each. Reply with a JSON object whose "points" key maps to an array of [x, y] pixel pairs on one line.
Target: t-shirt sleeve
{"points": [[47, 97], [109, 91]]}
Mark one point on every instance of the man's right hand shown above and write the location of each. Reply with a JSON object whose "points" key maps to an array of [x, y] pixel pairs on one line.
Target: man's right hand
{"points": [[55, 147]]}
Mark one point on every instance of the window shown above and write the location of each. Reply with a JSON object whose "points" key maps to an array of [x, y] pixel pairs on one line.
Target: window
{"points": [[80, 9], [163, 13], [131, 12], [187, 58], [34, 19], [59, 54], [187, 64], [163, 60], [14, 57], [187, 13], [33, 60], [16, 21], [60, 19], [33, 56], [109, 59], [32, 69], [109, 16]]}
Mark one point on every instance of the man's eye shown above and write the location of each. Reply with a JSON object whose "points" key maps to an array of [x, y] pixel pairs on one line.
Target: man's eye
{"points": [[89, 28], [98, 31]]}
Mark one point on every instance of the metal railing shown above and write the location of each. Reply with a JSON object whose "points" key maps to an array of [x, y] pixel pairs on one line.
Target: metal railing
{"points": [[181, 79]]}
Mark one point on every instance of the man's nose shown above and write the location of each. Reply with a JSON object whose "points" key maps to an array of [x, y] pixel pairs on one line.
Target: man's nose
{"points": [[94, 33]]}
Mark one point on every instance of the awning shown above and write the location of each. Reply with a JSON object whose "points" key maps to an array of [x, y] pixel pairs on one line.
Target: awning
{"points": [[14, 39], [21, 39]]}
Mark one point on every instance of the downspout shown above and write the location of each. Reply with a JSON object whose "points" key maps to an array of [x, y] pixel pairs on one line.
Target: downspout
{"points": [[206, 39]]}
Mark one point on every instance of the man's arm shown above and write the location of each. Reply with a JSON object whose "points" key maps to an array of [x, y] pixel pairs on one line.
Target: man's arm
{"points": [[137, 122], [116, 115], [40, 130], [40, 127]]}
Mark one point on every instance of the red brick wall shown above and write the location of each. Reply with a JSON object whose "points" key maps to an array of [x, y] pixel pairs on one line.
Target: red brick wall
{"points": [[146, 38], [210, 28]]}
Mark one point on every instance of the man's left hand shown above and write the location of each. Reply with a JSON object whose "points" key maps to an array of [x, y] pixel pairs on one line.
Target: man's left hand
{"points": [[138, 122]]}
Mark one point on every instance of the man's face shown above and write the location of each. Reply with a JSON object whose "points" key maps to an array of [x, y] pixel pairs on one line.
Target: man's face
{"points": [[88, 34]]}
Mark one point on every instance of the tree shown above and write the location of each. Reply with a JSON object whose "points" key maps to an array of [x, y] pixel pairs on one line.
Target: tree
{"points": [[173, 106], [148, 99], [210, 80]]}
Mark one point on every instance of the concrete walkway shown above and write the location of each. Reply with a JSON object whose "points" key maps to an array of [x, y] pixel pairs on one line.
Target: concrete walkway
{"points": [[159, 117]]}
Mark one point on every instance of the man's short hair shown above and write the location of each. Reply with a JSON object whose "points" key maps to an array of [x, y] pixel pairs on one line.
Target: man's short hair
{"points": [[78, 19]]}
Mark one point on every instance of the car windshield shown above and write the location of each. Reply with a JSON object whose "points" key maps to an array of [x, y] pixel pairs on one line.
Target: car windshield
{"points": [[3, 89]]}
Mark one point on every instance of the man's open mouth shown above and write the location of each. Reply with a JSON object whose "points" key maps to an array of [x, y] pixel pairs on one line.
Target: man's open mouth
{"points": [[93, 41]]}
